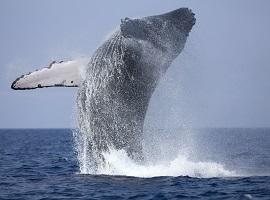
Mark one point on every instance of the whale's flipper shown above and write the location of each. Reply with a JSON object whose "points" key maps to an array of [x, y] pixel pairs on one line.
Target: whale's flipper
{"points": [[57, 74]]}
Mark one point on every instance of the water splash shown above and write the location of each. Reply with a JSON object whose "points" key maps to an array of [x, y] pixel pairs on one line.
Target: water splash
{"points": [[96, 100], [90, 137], [117, 162]]}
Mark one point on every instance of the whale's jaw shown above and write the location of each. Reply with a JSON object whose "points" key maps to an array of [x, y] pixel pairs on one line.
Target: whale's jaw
{"points": [[183, 18]]}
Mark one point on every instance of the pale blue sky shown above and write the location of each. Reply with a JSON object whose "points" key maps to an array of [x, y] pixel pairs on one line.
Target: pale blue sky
{"points": [[220, 80]]}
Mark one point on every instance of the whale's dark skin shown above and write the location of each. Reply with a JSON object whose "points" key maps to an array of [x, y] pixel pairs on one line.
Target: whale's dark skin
{"points": [[122, 76]]}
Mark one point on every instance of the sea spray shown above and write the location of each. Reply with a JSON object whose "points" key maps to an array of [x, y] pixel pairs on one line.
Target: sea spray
{"points": [[89, 140], [94, 144], [117, 162]]}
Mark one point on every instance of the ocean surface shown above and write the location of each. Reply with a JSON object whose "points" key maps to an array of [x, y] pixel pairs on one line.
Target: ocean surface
{"points": [[180, 164]]}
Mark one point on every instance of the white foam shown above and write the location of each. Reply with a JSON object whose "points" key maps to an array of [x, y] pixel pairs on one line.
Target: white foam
{"points": [[118, 163]]}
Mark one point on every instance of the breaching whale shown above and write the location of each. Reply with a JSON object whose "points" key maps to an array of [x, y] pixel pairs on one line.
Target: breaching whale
{"points": [[119, 80]]}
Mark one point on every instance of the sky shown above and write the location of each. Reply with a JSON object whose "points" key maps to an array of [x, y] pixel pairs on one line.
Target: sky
{"points": [[221, 79]]}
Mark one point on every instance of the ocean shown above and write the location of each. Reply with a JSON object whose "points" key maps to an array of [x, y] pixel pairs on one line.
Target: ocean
{"points": [[180, 164]]}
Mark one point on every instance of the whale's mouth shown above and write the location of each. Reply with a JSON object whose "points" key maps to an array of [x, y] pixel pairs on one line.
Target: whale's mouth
{"points": [[183, 18], [190, 21]]}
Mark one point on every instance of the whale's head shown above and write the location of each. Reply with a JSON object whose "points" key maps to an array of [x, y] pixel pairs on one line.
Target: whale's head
{"points": [[167, 32]]}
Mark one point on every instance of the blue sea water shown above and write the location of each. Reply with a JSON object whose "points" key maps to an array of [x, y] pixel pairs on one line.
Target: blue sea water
{"points": [[42, 164]]}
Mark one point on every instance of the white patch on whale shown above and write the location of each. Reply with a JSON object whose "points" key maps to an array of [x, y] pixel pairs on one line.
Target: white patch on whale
{"points": [[61, 74]]}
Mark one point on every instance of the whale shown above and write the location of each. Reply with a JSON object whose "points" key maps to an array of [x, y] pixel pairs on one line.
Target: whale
{"points": [[116, 84]]}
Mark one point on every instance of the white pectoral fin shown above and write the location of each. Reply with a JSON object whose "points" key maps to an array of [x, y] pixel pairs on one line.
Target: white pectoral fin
{"points": [[57, 74]]}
